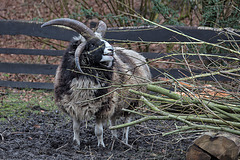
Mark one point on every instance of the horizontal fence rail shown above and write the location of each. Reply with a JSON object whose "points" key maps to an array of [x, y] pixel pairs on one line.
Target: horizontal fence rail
{"points": [[51, 69], [149, 55], [36, 52], [116, 35], [46, 69], [35, 85], [147, 33]]}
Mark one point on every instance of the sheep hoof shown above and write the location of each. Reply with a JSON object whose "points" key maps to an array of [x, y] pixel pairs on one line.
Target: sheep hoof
{"points": [[76, 141], [125, 140], [101, 143]]}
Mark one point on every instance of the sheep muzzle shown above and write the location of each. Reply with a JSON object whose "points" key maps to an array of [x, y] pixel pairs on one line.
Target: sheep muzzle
{"points": [[107, 61]]}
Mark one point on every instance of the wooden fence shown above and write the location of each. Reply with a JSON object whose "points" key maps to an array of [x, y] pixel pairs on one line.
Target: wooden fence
{"points": [[115, 35]]}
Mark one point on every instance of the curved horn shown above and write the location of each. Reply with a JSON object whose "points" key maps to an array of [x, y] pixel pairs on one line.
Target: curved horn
{"points": [[101, 30], [78, 51], [74, 24]]}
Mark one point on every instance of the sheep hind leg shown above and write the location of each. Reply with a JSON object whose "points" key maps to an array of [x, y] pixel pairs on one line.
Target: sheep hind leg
{"points": [[76, 131], [126, 130], [99, 132], [112, 122]]}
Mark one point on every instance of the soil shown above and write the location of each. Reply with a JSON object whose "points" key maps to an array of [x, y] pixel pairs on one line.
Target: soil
{"points": [[49, 135]]}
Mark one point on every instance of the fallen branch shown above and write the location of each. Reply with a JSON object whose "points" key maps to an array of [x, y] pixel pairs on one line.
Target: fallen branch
{"points": [[184, 99]]}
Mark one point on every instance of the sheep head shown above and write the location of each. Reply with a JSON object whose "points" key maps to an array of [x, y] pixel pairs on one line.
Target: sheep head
{"points": [[99, 51]]}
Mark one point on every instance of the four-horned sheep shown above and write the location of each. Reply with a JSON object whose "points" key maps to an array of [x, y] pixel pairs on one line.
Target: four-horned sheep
{"points": [[89, 78]]}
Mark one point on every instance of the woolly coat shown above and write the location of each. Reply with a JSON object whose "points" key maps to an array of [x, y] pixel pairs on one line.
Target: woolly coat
{"points": [[79, 95]]}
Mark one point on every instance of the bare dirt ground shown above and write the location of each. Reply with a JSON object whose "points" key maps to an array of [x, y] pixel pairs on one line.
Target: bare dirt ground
{"points": [[48, 135]]}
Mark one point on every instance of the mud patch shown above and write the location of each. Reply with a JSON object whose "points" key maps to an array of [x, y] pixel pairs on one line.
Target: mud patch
{"points": [[49, 136]]}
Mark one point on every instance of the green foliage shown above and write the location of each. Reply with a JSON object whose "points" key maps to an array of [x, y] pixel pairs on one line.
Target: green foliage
{"points": [[120, 12], [38, 19], [83, 13], [170, 15], [212, 13], [6, 75], [220, 13]]}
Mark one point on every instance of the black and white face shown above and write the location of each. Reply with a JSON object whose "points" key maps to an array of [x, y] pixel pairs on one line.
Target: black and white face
{"points": [[101, 52], [107, 56]]}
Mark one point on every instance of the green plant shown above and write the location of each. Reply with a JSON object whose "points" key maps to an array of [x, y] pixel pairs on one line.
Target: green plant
{"points": [[169, 14], [220, 13], [20, 103]]}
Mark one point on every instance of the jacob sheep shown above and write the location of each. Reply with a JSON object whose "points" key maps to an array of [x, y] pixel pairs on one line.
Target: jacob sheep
{"points": [[89, 67]]}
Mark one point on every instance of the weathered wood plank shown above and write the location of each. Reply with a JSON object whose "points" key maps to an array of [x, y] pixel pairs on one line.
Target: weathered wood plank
{"points": [[157, 34], [215, 56], [182, 73], [44, 52], [153, 34], [34, 85], [12, 27], [46, 69], [148, 55]]}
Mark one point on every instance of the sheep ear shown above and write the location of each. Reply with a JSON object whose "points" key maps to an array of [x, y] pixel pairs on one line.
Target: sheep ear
{"points": [[101, 29]]}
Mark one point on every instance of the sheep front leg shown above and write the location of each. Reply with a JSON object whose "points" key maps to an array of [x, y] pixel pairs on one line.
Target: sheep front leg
{"points": [[126, 130], [99, 132], [76, 130]]}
